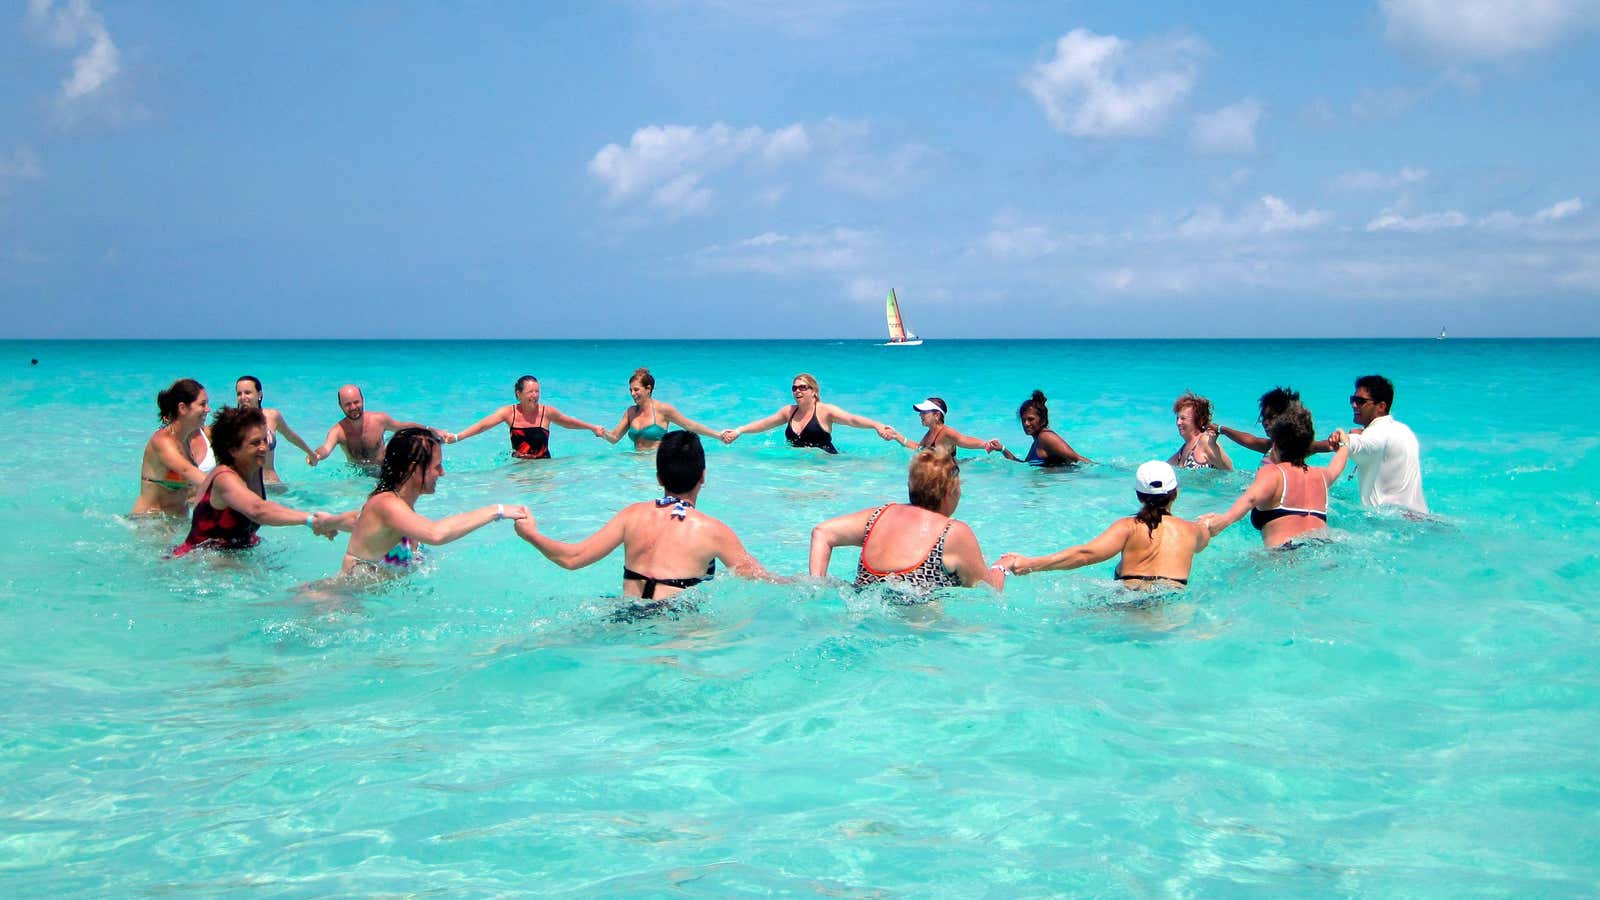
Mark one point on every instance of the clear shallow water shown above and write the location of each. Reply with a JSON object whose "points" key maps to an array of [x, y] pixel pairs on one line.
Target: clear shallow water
{"points": [[1410, 709]]}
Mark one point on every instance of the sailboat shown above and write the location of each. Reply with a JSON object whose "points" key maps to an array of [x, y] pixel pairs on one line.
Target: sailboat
{"points": [[899, 336], [1442, 335]]}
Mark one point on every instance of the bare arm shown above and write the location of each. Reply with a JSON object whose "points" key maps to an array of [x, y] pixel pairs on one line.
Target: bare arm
{"points": [[766, 423], [670, 413], [1056, 445], [173, 457], [1245, 439], [229, 487], [1108, 544], [733, 554], [1217, 456], [591, 549], [616, 433], [835, 414], [287, 432], [566, 421], [965, 558], [842, 531], [484, 424], [1335, 466], [1259, 491], [970, 443], [418, 527], [335, 438]]}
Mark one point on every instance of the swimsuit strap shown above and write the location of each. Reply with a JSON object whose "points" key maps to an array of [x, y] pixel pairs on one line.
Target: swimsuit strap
{"points": [[871, 521], [680, 507]]}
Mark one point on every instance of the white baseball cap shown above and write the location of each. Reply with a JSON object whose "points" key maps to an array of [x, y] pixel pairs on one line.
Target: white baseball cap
{"points": [[932, 404], [1156, 477]]}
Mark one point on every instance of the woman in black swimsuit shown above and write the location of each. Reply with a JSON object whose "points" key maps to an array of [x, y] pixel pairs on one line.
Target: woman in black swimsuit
{"points": [[808, 421], [668, 544], [529, 422]]}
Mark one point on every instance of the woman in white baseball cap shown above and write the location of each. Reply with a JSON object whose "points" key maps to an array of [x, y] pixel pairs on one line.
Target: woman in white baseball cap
{"points": [[941, 436], [1157, 547]]}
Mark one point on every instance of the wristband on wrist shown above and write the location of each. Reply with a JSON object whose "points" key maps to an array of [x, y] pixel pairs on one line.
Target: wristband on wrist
{"points": [[311, 519], [499, 511]]}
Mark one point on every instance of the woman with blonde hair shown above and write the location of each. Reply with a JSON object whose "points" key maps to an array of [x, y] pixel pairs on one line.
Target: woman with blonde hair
{"points": [[809, 420]]}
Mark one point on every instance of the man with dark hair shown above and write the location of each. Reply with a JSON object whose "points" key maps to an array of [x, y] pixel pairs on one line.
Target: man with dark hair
{"points": [[668, 545], [1386, 454]]}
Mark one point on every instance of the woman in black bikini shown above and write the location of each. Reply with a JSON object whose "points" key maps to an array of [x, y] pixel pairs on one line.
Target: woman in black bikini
{"points": [[529, 422], [808, 421], [1157, 547], [1287, 499], [668, 544]]}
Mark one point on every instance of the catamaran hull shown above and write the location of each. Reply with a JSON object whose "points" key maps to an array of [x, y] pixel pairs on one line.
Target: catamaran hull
{"points": [[915, 343]]}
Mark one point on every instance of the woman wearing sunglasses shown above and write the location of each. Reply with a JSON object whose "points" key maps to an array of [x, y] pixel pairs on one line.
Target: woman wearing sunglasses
{"points": [[808, 421]]}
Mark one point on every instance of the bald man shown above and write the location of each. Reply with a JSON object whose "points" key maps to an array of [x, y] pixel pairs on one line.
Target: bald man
{"points": [[360, 432]]}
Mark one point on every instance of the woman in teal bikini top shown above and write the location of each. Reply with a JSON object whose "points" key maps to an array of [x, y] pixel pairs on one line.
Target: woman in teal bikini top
{"points": [[646, 422]]}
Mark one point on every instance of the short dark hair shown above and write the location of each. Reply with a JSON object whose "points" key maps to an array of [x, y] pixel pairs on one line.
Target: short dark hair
{"points": [[1275, 401], [1380, 388], [184, 390], [1035, 403], [250, 378], [409, 450], [1292, 433], [680, 461], [228, 427]]}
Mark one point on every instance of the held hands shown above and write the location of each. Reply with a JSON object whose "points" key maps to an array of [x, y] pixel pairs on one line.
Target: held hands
{"points": [[887, 433], [599, 431], [729, 435], [1211, 522], [1015, 563], [324, 525], [450, 437], [312, 459], [1336, 440], [526, 529], [519, 513], [992, 445]]}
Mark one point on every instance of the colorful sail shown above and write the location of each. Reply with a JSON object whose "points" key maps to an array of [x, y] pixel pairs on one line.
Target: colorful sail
{"points": [[897, 328]]}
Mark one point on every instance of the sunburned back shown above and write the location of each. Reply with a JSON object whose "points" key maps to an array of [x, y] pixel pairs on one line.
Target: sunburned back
{"points": [[907, 543], [1166, 553], [1302, 505], [661, 551]]}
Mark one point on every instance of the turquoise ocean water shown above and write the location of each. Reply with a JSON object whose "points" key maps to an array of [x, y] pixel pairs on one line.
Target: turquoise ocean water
{"points": [[1410, 709]]}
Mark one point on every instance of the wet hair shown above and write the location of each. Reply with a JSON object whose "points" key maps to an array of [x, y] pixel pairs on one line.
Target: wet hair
{"points": [[645, 379], [1200, 405], [816, 389], [228, 427], [1274, 402], [1153, 507], [1381, 388], [1035, 403], [252, 379], [1292, 433], [409, 450], [184, 390], [932, 478], [680, 461], [523, 382]]}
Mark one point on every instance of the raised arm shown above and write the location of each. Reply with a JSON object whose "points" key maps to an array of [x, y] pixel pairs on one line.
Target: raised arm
{"points": [[670, 413], [289, 433], [1218, 456], [591, 549], [232, 490], [334, 439], [1245, 439], [1108, 544], [844, 531], [418, 527], [566, 421], [972, 443], [1335, 466], [484, 424], [1259, 491], [837, 415], [766, 423]]}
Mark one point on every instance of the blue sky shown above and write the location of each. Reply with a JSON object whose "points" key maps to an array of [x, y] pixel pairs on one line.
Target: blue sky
{"points": [[771, 169]]}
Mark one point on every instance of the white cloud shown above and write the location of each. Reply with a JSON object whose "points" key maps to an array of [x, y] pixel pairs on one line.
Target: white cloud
{"points": [[1231, 129], [1467, 30], [1268, 215], [1393, 221], [89, 91], [837, 251], [1103, 86], [1379, 181], [1555, 213], [671, 165]]}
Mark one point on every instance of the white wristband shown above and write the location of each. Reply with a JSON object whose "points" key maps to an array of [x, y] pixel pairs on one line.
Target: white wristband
{"points": [[311, 519], [499, 511]]}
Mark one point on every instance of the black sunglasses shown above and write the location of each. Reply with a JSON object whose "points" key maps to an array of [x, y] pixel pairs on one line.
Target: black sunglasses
{"points": [[1356, 400]]}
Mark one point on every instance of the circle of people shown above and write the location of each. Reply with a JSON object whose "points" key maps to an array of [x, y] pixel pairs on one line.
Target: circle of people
{"points": [[224, 471]]}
